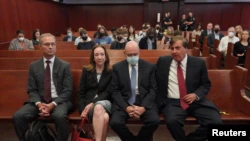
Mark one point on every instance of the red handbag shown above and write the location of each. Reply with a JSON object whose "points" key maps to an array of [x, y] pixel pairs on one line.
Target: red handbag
{"points": [[78, 134]]}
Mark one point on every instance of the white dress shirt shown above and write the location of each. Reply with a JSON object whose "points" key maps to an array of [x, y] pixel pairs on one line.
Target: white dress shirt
{"points": [[224, 42], [78, 40], [130, 69], [173, 87]]}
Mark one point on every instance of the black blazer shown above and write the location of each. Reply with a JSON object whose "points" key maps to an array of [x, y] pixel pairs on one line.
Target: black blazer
{"points": [[143, 44], [89, 87], [203, 34], [211, 38], [66, 38], [197, 80], [121, 89]]}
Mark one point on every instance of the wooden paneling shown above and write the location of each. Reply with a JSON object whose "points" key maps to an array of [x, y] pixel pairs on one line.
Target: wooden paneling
{"points": [[29, 15]]}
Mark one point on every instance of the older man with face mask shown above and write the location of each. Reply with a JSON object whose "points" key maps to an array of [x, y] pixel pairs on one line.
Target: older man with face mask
{"points": [[225, 40], [133, 90]]}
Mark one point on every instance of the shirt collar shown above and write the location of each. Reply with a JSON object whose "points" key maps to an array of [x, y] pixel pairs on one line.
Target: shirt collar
{"points": [[183, 62], [51, 60]]}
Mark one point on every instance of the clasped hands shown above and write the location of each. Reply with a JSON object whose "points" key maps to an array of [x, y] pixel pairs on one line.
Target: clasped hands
{"points": [[45, 109], [135, 111]]}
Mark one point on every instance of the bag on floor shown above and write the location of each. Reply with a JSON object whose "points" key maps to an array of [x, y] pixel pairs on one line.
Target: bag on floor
{"points": [[79, 134]]}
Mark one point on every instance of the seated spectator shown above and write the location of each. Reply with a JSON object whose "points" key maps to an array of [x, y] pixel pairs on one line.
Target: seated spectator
{"points": [[149, 41], [113, 33], [239, 31], [69, 37], [159, 31], [131, 33], [196, 31], [240, 48], [120, 41], [142, 33], [168, 33], [225, 40], [206, 32], [35, 37], [148, 25], [124, 27], [95, 34], [102, 37], [93, 96], [215, 35], [87, 42], [78, 39], [20, 43]]}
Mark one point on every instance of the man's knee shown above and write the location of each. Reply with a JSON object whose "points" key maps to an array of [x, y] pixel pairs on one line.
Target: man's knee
{"points": [[171, 121], [116, 123], [17, 116], [58, 116]]}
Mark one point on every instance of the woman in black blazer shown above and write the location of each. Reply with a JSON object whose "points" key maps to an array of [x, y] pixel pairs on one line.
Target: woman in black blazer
{"points": [[93, 95]]}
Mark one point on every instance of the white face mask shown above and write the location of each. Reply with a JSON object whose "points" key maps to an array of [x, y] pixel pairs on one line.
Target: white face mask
{"points": [[21, 39], [230, 34], [69, 34], [133, 60]]}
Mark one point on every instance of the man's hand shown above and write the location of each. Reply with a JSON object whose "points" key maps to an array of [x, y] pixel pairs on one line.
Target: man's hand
{"points": [[130, 110], [86, 110], [139, 111], [189, 98], [240, 54], [43, 110]]}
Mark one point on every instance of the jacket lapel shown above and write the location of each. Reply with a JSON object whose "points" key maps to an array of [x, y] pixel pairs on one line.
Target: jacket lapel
{"points": [[188, 71], [56, 67]]}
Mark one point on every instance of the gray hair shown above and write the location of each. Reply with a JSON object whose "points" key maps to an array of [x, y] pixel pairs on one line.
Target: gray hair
{"points": [[45, 35]]}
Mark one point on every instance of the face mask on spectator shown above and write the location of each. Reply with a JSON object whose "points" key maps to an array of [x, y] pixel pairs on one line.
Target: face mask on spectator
{"points": [[230, 34], [216, 30], [132, 60], [119, 38], [125, 38], [21, 39], [151, 37], [84, 38], [70, 34]]}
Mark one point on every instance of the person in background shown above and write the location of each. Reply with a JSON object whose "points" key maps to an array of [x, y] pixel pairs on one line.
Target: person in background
{"points": [[124, 27], [158, 31], [167, 37], [240, 48], [93, 94], [216, 35], [142, 34], [96, 33], [239, 31], [120, 41], [131, 33], [102, 37], [78, 39], [190, 22], [149, 41], [205, 33], [113, 33], [167, 20], [20, 43], [69, 37], [196, 31], [87, 42], [148, 25], [35, 36], [177, 33], [182, 23]]}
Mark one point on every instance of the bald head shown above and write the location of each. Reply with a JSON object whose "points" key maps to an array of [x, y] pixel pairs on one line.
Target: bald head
{"points": [[132, 48]]}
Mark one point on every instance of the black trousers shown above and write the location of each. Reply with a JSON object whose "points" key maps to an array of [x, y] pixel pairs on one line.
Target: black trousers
{"points": [[150, 119], [175, 117], [29, 112]]}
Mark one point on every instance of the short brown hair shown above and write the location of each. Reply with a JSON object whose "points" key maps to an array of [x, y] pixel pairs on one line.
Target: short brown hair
{"points": [[177, 38]]}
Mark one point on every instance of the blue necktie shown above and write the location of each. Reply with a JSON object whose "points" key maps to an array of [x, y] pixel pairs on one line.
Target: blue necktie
{"points": [[131, 100]]}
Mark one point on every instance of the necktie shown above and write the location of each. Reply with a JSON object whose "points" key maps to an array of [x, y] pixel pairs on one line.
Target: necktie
{"points": [[131, 100], [182, 86], [47, 83]]}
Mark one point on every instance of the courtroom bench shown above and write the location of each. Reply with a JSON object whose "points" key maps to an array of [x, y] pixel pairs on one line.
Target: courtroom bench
{"points": [[79, 62], [227, 93]]}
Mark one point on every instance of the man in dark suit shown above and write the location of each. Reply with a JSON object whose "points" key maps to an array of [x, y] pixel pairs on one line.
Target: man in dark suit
{"points": [[206, 33], [49, 89], [215, 35], [149, 41], [133, 90], [69, 37], [183, 83]]}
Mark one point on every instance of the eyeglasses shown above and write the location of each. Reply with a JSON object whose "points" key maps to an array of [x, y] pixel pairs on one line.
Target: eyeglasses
{"points": [[48, 44]]}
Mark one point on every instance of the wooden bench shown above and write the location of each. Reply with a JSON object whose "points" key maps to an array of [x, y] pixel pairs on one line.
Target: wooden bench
{"points": [[4, 46], [79, 62], [231, 60], [247, 66], [227, 93]]}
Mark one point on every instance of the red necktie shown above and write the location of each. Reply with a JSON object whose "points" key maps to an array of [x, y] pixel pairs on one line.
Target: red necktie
{"points": [[47, 83], [182, 86]]}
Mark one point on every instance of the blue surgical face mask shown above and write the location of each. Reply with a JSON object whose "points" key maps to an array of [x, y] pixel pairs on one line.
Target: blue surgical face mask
{"points": [[69, 34], [132, 60]]}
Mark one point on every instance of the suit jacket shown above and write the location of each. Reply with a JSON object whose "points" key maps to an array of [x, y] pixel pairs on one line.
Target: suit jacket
{"points": [[15, 45], [211, 38], [62, 79], [197, 80], [203, 34], [89, 87], [121, 87], [66, 38], [143, 44]]}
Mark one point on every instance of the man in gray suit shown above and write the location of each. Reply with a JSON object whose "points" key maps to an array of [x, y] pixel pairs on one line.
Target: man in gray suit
{"points": [[49, 89]]}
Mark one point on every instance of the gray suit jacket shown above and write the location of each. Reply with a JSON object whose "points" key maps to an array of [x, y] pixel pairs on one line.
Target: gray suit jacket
{"points": [[15, 45], [62, 78]]}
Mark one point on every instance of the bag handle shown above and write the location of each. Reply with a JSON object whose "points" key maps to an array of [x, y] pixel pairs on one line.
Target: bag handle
{"points": [[84, 120]]}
